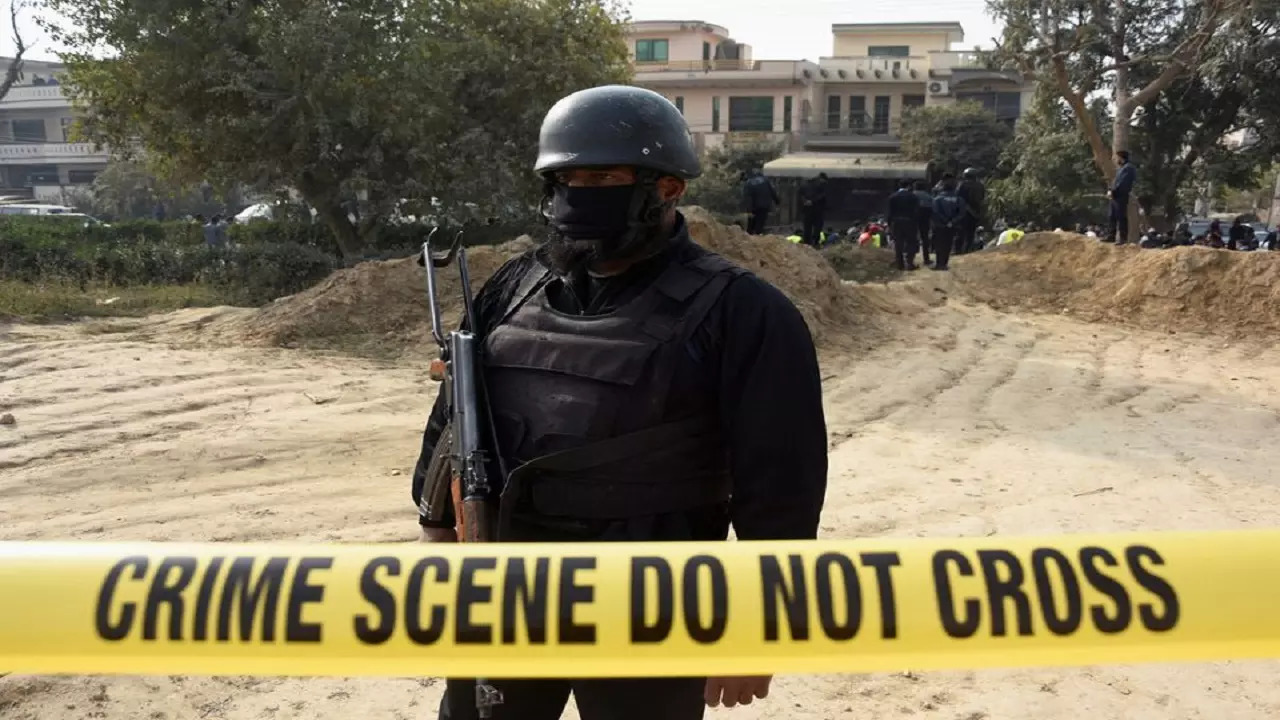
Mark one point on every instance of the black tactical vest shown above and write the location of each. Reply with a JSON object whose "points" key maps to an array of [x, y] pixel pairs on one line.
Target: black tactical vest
{"points": [[580, 402]]}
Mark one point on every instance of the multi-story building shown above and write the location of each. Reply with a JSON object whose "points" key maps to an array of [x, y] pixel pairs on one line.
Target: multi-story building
{"points": [[724, 93], [37, 157], [841, 115]]}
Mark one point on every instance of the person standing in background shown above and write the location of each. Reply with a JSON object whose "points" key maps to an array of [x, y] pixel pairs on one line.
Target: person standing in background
{"points": [[974, 196], [948, 212], [760, 198], [1126, 176], [813, 207], [924, 218], [904, 207]]}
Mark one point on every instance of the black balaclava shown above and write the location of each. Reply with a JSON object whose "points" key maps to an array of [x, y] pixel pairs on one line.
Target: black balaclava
{"points": [[586, 224]]}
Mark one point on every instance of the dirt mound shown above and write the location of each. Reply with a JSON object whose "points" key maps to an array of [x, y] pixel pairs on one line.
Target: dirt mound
{"points": [[862, 264], [1181, 289], [380, 307], [376, 307], [799, 271]]}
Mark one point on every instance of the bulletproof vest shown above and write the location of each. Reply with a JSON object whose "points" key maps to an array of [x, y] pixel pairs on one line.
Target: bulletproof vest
{"points": [[580, 402]]}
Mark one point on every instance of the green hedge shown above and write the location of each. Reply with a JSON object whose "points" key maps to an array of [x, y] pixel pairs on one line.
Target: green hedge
{"points": [[266, 260]]}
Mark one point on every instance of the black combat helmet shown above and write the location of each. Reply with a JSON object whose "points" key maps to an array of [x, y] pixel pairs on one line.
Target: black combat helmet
{"points": [[970, 173], [615, 125]]}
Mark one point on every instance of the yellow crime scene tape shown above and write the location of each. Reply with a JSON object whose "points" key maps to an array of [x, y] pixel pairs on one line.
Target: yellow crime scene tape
{"points": [[637, 609]]}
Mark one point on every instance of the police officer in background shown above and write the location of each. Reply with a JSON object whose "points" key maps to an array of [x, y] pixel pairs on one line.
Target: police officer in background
{"points": [[904, 206], [924, 218], [643, 388], [974, 196]]}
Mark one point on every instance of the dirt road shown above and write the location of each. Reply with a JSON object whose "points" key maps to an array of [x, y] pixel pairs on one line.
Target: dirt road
{"points": [[974, 423]]}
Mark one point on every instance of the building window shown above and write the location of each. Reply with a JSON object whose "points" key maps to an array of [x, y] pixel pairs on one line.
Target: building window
{"points": [[715, 114], [880, 119], [889, 51], [68, 125], [833, 112], [858, 118], [706, 51], [1006, 106], [787, 109], [912, 101], [81, 177], [651, 51], [680, 103], [751, 114], [28, 131], [34, 175]]}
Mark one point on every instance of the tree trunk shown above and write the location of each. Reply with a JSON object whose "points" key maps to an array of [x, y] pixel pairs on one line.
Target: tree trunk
{"points": [[325, 201]]}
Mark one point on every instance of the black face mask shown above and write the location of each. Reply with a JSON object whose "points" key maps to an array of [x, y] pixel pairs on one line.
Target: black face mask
{"points": [[600, 223]]}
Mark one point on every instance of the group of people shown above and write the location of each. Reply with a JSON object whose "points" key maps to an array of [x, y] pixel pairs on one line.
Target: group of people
{"points": [[946, 220], [1240, 236]]}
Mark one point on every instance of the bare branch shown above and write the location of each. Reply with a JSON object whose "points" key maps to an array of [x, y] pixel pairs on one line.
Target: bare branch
{"points": [[20, 49]]}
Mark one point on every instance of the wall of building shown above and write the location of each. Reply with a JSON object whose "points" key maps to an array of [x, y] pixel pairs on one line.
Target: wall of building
{"points": [[855, 44], [698, 105]]}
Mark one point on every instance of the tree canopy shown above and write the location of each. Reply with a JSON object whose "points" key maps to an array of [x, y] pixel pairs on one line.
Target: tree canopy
{"points": [[954, 137], [1129, 50], [376, 101]]}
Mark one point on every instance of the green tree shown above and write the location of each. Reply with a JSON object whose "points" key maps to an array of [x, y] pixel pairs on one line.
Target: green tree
{"points": [[1046, 174], [724, 169], [954, 137], [357, 105], [1183, 136], [1129, 50]]}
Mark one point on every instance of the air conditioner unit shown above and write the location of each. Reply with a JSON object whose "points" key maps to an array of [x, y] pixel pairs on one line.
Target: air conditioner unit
{"points": [[939, 87]]}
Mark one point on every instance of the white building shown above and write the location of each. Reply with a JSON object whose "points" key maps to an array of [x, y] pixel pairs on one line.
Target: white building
{"points": [[37, 157]]}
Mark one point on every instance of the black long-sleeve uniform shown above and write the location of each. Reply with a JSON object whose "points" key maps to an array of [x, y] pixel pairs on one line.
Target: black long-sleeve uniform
{"points": [[755, 351]]}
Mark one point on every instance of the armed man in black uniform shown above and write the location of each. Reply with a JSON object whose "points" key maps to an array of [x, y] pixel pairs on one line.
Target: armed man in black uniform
{"points": [[642, 387]]}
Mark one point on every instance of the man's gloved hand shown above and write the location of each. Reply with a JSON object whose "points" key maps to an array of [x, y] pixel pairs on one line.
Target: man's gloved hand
{"points": [[438, 535], [733, 691]]}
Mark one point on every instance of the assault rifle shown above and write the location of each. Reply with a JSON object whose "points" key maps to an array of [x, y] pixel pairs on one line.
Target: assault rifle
{"points": [[457, 472]]}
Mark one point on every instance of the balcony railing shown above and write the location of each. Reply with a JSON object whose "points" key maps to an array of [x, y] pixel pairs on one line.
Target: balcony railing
{"points": [[952, 60], [688, 66], [36, 95], [12, 153]]}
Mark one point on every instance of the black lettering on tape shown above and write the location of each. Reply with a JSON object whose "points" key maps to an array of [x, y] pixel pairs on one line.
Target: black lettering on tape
{"points": [[826, 588], [642, 632], [1109, 586], [884, 563], [532, 600], [792, 595], [1154, 584], [692, 589], [1072, 613], [1005, 585], [118, 629], [465, 631], [571, 594], [167, 592], [263, 596], [383, 602], [413, 602], [956, 627], [301, 592], [204, 598]]}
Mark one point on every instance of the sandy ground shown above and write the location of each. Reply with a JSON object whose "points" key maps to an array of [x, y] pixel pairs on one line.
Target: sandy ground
{"points": [[974, 423]]}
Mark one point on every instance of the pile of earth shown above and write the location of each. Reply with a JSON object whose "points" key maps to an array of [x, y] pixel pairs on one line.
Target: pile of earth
{"points": [[380, 307], [1181, 289]]}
